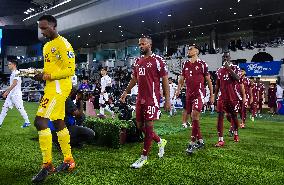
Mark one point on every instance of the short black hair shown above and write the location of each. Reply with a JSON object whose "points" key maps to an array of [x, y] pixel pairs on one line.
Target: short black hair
{"points": [[104, 68], [243, 69], [195, 46], [258, 78], [15, 62], [147, 37], [252, 78], [48, 18]]}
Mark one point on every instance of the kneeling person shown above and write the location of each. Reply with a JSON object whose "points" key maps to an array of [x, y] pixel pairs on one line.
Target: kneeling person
{"points": [[74, 116]]}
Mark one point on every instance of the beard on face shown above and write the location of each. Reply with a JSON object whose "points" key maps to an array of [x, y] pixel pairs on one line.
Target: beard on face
{"points": [[143, 51]]}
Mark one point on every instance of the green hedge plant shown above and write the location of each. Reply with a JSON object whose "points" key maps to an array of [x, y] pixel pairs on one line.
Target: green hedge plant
{"points": [[110, 132]]}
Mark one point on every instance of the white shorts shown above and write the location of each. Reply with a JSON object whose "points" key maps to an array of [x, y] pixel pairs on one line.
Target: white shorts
{"points": [[206, 100], [103, 98], [173, 101], [14, 100]]}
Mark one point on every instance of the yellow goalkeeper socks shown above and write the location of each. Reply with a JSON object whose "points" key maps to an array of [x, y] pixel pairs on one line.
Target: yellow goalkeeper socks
{"points": [[64, 141], [45, 143]]}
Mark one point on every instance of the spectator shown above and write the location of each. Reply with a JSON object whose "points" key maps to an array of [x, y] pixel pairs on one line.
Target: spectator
{"points": [[84, 86]]}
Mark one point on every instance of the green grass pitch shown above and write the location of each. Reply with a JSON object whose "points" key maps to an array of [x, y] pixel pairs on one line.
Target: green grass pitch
{"points": [[257, 159]]}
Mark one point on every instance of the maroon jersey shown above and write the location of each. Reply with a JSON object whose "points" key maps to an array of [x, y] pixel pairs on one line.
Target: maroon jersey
{"points": [[261, 89], [272, 94], [246, 82], [148, 72], [228, 85], [254, 89], [194, 74], [238, 91]]}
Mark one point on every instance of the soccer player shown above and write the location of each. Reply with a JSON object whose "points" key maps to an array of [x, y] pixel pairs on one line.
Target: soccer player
{"points": [[104, 97], [147, 71], [279, 93], [254, 99], [246, 83], [13, 95], [173, 88], [84, 86], [272, 98], [194, 73], [59, 67], [185, 115], [262, 93], [227, 77], [206, 99]]}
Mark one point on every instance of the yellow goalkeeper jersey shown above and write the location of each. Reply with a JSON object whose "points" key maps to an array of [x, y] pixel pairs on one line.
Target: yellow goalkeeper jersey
{"points": [[59, 62]]}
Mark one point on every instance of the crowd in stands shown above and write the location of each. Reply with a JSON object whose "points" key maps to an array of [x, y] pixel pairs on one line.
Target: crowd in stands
{"points": [[233, 45]]}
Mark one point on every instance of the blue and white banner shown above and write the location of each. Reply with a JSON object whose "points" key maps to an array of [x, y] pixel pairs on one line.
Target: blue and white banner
{"points": [[262, 68]]}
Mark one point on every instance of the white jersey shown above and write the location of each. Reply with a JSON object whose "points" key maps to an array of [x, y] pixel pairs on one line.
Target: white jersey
{"points": [[17, 89], [105, 81], [173, 88], [279, 92], [134, 90], [207, 94], [74, 80]]}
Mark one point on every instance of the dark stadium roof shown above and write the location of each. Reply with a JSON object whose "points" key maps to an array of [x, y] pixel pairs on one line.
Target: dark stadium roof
{"points": [[193, 17]]}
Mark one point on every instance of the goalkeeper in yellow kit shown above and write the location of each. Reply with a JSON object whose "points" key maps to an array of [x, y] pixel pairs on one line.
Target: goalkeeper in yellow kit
{"points": [[59, 66]]}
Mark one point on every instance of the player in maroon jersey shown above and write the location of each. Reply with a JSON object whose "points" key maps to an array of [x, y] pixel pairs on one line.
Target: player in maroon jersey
{"points": [[255, 98], [272, 98], [147, 71], [227, 77], [246, 83], [194, 72], [262, 93]]}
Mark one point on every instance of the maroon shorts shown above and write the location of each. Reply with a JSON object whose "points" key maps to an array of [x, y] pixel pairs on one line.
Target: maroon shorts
{"points": [[194, 104], [228, 106], [147, 112]]}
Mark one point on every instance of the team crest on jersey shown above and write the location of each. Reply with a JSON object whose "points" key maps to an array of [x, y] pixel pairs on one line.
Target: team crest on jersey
{"points": [[53, 50], [196, 67], [70, 54], [148, 64]]}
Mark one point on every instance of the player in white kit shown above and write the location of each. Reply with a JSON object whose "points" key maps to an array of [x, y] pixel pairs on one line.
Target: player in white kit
{"points": [[173, 88], [104, 98], [206, 99], [13, 95]]}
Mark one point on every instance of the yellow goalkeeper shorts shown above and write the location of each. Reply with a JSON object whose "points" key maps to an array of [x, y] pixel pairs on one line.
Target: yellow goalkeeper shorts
{"points": [[52, 106]]}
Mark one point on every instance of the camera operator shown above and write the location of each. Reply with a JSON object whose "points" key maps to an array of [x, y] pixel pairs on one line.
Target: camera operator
{"points": [[125, 113], [74, 117]]}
